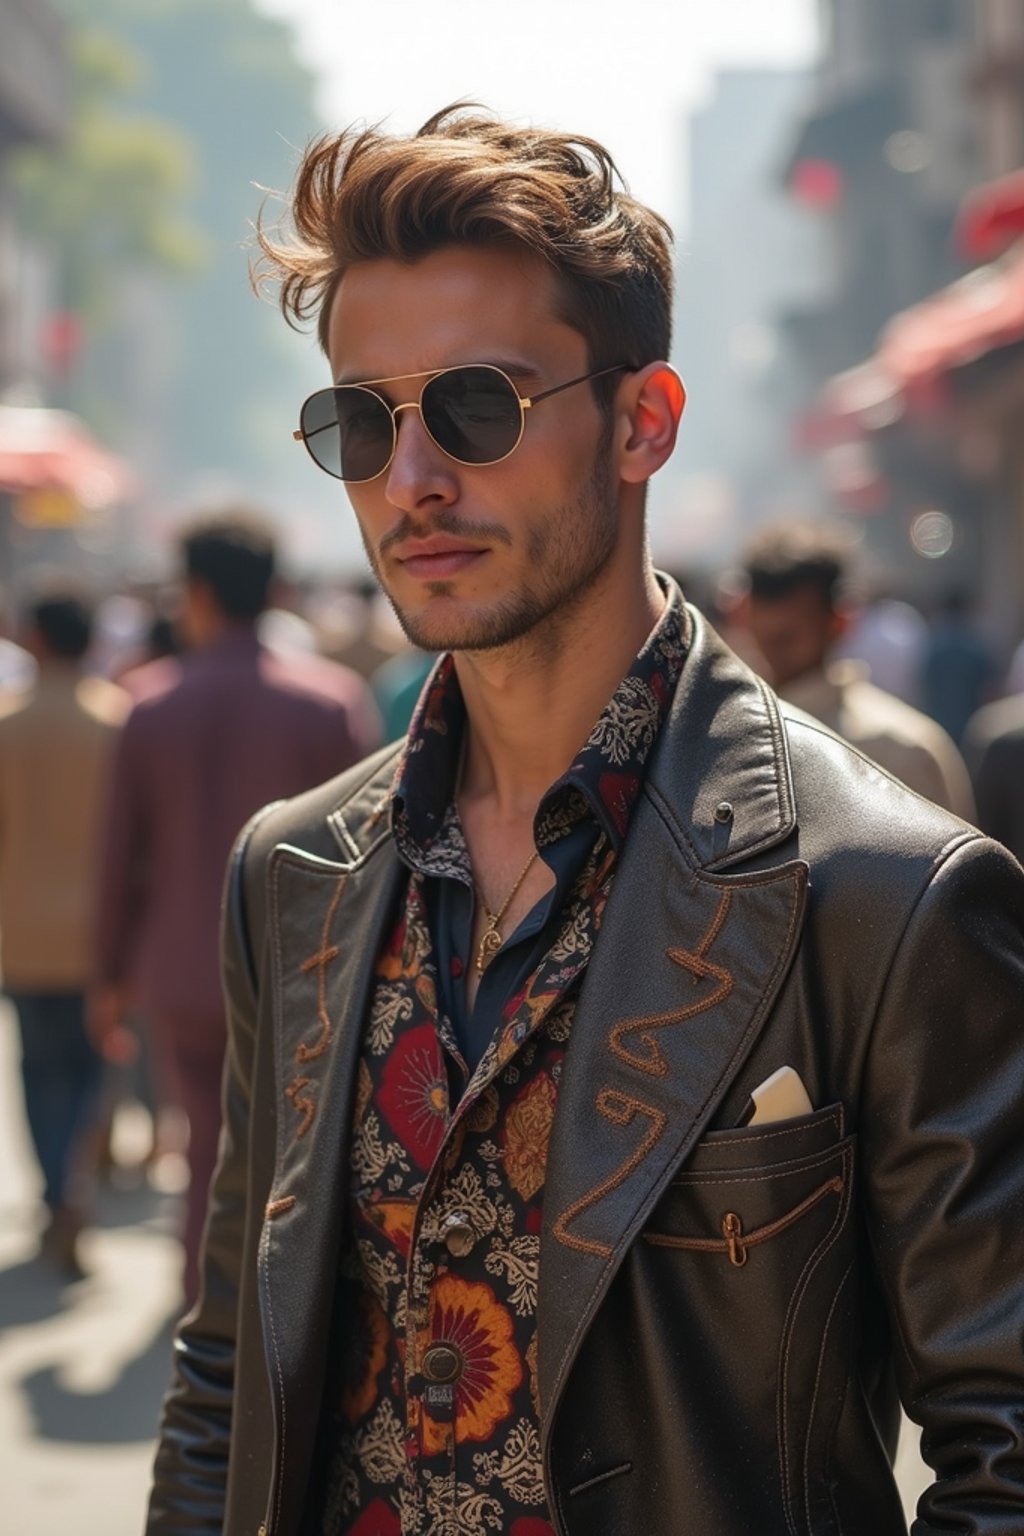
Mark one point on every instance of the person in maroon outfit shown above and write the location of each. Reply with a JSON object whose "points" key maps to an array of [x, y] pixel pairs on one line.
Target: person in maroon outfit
{"points": [[214, 735]]}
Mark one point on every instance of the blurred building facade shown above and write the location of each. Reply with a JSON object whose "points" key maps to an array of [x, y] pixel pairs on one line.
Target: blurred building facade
{"points": [[33, 110], [909, 354], [749, 254]]}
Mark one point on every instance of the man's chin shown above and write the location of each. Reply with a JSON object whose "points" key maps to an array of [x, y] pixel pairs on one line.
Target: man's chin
{"points": [[448, 625]]}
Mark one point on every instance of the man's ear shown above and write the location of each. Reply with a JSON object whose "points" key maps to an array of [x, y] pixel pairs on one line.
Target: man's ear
{"points": [[649, 405]]}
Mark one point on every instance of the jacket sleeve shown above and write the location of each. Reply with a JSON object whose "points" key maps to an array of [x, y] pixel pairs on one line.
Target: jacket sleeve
{"points": [[944, 1165], [191, 1467]]}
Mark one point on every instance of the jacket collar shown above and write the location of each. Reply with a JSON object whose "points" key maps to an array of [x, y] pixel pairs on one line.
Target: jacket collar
{"points": [[721, 771]]}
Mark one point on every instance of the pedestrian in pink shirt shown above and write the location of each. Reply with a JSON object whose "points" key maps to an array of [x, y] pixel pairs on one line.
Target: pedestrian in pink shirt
{"points": [[214, 735]]}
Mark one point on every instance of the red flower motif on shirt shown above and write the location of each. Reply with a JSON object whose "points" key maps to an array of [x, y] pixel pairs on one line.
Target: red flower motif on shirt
{"points": [[413, 1093], [470, 1317], [379, 1519]]}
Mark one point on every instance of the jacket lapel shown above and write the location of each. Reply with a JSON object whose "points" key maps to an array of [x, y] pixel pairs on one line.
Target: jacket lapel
{"points": [[326, 921], [688, 964]]}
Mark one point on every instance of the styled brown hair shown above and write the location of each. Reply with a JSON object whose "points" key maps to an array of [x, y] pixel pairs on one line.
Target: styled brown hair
{"points": [[470, 179]]}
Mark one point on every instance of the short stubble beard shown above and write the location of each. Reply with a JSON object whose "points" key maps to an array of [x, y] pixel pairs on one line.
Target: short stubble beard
{"points": [[568, 554]]}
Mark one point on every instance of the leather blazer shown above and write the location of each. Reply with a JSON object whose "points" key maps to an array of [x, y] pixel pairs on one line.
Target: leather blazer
{"points": [[727, 1315]]}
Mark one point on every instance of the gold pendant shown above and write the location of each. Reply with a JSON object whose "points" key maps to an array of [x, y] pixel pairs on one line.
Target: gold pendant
{"points": [[490, 943]]}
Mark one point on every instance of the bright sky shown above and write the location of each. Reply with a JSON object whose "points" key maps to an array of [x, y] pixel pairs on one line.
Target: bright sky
{"points": [[626, 72]]}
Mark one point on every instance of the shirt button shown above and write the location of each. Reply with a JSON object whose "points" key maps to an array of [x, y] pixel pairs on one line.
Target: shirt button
{"points": [[442, 1362], [458, 1235]]}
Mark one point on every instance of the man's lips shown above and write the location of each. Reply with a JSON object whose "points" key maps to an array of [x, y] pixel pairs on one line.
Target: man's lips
{"points": [[435, 559]]}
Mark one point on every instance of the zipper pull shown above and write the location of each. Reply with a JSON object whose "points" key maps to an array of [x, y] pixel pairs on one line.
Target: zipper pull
{"points": [[732, 1231]]}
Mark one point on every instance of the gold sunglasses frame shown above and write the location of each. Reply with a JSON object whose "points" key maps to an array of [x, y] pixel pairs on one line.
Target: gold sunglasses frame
{"points": [[428, 376]]}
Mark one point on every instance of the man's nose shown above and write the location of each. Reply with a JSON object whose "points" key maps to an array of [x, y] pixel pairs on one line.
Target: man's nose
{"points": [[419, 472]]}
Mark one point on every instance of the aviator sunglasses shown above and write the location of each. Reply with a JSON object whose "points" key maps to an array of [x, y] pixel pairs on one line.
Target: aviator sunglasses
{"points": [[473, 412]]}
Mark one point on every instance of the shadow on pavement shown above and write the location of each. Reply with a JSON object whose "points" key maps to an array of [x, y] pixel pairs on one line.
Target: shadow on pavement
{"points": [[30, 1292], [136, 1204], [124, 1413]]}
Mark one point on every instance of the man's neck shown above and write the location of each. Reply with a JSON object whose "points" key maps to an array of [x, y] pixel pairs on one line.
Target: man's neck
{"points": [[532, 705]]}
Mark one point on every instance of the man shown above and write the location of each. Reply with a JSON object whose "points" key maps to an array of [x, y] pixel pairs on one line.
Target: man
{"points": [[56, 740], [213, 736], [994, 747], [796, 574], [493, 1246], [959, 671]]}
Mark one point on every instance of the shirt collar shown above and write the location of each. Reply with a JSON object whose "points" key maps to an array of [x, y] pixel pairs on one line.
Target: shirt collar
{"points": [[602, 782]]}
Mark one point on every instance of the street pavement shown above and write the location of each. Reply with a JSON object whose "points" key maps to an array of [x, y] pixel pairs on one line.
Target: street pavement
{"points": [[83, 1366]]}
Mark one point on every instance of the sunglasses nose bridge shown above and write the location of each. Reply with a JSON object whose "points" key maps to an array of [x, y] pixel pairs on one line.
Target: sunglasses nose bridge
{"points": [[417, 406]]}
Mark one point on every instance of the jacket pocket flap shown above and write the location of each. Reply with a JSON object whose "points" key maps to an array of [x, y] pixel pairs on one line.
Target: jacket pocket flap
{"points": [[730, 1212], [761, 1146]]}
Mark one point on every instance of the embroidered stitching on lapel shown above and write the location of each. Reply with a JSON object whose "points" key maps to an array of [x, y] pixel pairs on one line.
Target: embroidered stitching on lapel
{"points": [[279, 1207], [319, 962], [700, 968], [303, 1104], [622, 1109]]}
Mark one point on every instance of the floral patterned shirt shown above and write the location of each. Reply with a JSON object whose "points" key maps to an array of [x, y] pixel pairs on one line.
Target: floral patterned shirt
{"points": [[434, 1426]]}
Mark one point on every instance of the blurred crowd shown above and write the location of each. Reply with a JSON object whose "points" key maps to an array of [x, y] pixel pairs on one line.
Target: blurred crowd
{"points": [[137, 736], [138, 733]]}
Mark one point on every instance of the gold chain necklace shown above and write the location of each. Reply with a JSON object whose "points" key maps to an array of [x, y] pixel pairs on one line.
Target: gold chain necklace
{"points": [[491, 939]]}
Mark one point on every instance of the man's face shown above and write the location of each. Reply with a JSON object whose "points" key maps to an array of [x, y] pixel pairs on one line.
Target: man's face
{"points": [[794, 633], [477, 556]]}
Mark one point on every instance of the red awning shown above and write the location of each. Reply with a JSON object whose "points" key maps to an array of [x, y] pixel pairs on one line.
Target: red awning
{"points": [[45, 450], [991, 217], [957, 325], [917, 350]]}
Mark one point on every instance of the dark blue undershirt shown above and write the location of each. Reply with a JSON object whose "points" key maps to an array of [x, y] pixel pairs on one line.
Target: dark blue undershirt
{"points": [[450, 905]]}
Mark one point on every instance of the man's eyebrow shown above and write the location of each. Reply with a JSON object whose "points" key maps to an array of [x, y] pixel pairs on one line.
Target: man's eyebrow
{"points": [[516, 369]]}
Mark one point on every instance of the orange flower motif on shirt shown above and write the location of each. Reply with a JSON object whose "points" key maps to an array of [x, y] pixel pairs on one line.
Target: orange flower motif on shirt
{"points": [[413, 1094], [469, 1316], [525, 1134], [360, 1394], [395, 1218], [389, 962]]}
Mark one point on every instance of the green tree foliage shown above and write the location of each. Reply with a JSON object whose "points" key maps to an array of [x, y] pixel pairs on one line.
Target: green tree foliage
{"points": [[228, 77], [112, 196]]}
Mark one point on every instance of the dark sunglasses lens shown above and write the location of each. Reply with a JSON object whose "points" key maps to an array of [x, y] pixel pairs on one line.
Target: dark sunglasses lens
{"points": [[473, 413], [348, 431]]}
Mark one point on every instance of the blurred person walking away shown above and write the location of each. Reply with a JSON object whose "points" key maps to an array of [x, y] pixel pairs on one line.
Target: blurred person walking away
{"points": [[889, 637], [796, 574], [17, 665], [958, 672], [994, 749], [214, 735], [56, 741]]}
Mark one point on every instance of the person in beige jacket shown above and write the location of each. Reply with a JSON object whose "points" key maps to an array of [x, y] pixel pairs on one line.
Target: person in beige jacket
{"points": [[795, 577], [55, 746]]}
